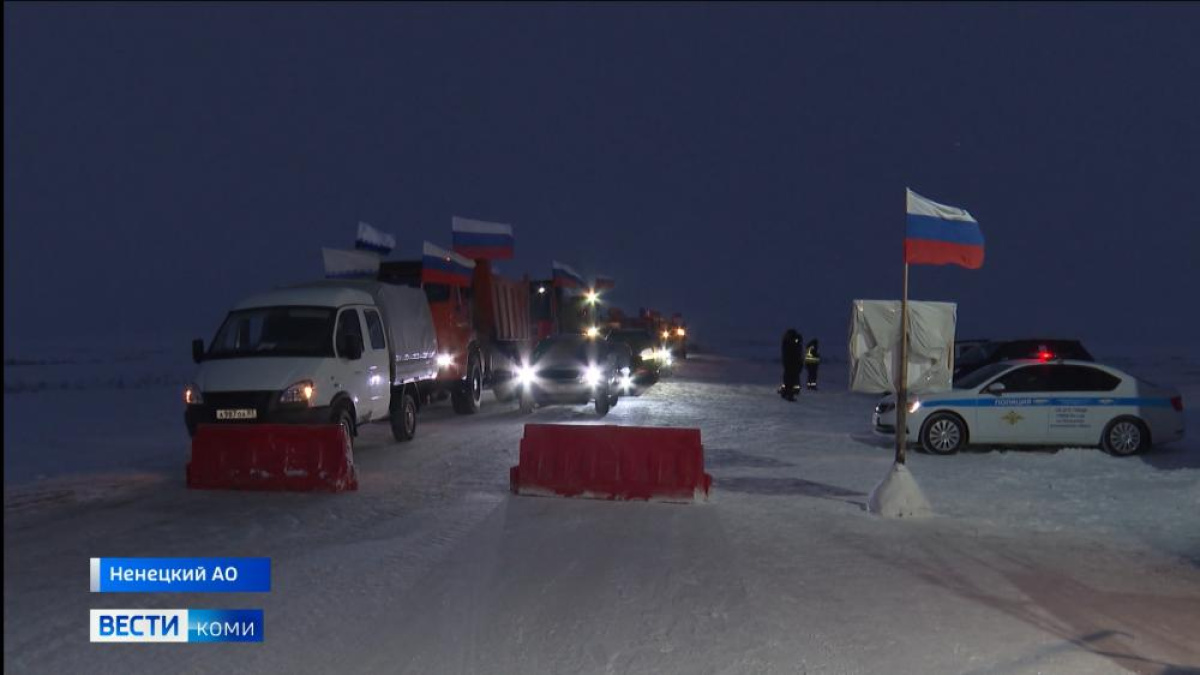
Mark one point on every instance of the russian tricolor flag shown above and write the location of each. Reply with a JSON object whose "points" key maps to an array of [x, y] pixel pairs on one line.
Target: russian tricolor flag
{"points": [[565, 276], [439, 266], [941, 235], [477, 239]]}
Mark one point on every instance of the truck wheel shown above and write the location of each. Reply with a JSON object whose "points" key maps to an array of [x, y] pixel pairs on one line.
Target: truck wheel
{"points": [[343, 414], [468, 397], [602, 403], [404, 417]]}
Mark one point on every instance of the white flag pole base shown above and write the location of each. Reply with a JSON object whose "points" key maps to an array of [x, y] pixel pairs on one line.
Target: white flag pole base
{"points": [[899, 496]]}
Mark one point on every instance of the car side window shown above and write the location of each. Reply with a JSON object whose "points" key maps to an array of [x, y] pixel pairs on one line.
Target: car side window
{"points": [[1082, 378], [1029, 378], [348, 324], [375, 328]]}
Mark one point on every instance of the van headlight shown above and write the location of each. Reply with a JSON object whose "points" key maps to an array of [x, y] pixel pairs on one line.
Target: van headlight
{"points": [[303, 391], [591, 376], [192, 395]]}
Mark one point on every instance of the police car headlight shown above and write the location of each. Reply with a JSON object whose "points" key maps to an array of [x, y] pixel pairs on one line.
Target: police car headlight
{"points": [[914, 406], [591, 376]]}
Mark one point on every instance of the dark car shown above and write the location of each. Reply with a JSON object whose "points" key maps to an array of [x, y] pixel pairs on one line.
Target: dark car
{"points": [[571, 369], [645, 355], [996, 351]]}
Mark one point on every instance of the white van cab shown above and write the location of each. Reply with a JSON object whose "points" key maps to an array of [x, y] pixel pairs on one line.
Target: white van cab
{"points": [[328, 352]]}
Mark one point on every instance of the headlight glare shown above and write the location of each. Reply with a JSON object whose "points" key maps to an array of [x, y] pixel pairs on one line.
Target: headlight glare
{"points": [[444, 360], [592, 376], [303, 391]]}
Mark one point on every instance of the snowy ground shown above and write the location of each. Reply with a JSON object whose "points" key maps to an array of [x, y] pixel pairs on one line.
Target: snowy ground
{"points": [[1037, 562]]}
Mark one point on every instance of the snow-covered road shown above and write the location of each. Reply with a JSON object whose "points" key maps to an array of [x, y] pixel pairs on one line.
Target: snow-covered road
{"points": [[1037, 562]]}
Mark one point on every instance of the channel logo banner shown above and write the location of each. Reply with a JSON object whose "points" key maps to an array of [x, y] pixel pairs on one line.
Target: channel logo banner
{"points": [[181, 575], [176, 625]]}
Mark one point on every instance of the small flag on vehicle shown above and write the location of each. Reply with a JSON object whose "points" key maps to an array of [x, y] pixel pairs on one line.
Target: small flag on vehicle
{"points": [[478, 239]]}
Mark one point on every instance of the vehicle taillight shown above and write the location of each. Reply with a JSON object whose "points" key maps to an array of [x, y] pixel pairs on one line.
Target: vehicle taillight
{"points": [[1177, 403], [1045, 356]]}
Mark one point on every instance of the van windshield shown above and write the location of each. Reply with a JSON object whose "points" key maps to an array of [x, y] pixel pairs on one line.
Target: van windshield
{"points": [[275, 331]]}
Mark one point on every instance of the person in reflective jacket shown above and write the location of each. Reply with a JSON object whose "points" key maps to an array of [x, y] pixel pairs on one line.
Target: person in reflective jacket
{"points": [[812, 361], [793, 361]]}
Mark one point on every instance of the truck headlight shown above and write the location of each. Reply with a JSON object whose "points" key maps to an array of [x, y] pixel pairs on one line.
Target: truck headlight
{"points": [[303, 391], [591, 376], [444, 360], [192, 396]]}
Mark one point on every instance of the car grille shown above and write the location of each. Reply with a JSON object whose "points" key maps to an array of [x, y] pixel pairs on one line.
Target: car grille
{"points": [[561, 374]]}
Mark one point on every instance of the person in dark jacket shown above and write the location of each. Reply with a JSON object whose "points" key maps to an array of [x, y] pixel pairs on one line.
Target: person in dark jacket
{"points": [[812, 361], [793, 361]]}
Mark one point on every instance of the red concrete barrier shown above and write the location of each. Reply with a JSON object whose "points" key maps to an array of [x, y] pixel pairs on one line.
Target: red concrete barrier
{"points": [[272, 457], [611, 462]]}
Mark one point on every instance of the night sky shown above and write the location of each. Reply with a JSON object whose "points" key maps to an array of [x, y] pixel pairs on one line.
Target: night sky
{"points": [[742, 164]]}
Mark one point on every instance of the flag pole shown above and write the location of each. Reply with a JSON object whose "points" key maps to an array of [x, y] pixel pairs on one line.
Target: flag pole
{"points": [[902, 386]]}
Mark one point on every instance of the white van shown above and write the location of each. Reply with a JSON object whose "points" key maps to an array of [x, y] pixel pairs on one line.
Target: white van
{"points": [[329, 352]]}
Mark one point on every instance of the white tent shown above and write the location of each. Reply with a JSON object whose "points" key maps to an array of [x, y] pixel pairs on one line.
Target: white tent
{"points": [[875, 345]]}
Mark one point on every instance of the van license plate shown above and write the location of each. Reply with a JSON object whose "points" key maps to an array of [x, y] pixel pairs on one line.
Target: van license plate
{"points": [[238, 414]]}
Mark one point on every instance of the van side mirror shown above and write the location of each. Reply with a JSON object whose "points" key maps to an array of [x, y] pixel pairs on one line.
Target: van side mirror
{"points": [[351, 347], [995, 388], [197, 350]]}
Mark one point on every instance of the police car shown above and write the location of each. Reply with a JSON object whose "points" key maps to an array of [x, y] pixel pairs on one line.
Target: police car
{"points": [[1041, 402]]}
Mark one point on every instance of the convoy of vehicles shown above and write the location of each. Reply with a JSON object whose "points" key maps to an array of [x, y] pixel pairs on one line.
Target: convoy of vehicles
{"points": [[1041, 402]]}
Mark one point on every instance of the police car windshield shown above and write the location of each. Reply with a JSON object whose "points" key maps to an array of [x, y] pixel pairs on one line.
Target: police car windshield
{"points": [[978, 377]]}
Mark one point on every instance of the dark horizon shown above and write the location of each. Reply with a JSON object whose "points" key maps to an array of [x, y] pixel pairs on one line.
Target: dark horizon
{"points": [[742, 164]]}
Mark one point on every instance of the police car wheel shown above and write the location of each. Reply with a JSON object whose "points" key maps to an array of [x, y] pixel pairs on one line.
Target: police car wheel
{"points": [[1125, 436], [943, 434]]}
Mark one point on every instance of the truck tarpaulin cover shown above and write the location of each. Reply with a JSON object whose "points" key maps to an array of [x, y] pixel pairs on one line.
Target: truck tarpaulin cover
{"points": [[875, 345], [409, 326]]}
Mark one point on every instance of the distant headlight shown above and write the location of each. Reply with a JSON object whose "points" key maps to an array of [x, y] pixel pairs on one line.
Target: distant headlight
{"points": [[303, 391], [592, 331], [664, 355], [444, 360], [592, 376], [525, 375], [192, 396], [626, 382], [680, 332], [648, 354]]}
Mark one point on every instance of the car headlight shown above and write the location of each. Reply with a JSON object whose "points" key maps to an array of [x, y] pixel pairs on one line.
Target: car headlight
{"points": [[913, 406], [592, 376], [192, 395], [648, 354], [303, 391], [525, 375], [444, 360], [626, 382], [664, 355]]}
